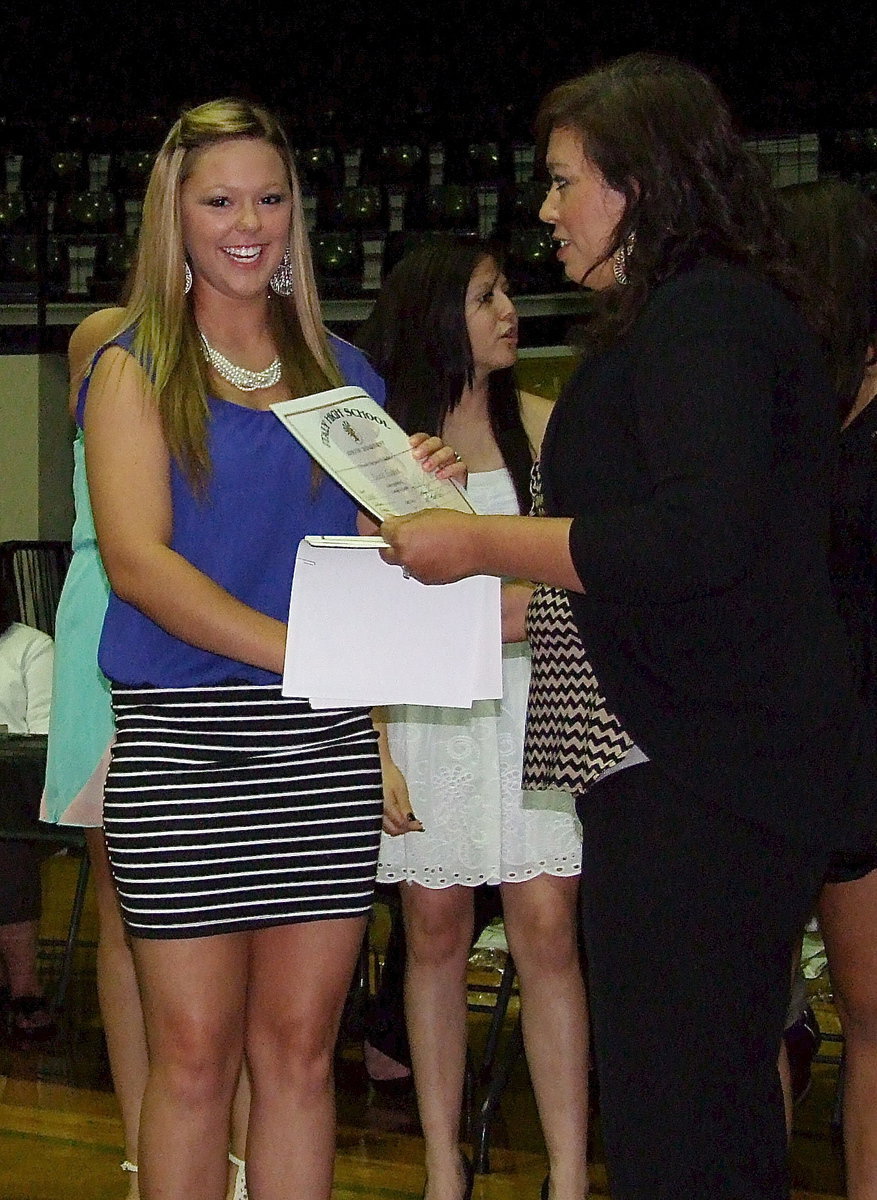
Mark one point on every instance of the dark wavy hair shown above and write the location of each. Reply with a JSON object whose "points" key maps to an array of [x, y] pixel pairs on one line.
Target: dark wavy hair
{"points": [[662, 136], [832, 230], [9, 611], [416, 338]]}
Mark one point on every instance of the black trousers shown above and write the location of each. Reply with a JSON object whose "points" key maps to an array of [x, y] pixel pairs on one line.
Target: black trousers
{"points": [[690, 916], [20, 890]]}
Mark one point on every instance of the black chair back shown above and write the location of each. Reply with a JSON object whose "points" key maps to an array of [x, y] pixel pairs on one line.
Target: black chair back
{"points": [[446, 206], [37, 571], [398, 164], [363, 208], [338, 262]]}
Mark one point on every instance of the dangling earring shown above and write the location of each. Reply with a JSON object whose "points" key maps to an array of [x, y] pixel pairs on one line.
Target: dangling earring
{"points": [[620, 259], [281, 281], [187, 286]]}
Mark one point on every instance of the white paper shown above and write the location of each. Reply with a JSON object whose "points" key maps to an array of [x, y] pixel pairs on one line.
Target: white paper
{"points": [[363, 448], [360, 633]]}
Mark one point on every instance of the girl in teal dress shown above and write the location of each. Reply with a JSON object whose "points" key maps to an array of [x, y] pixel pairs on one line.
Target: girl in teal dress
{"points": [[81, 730], [81, 722]]}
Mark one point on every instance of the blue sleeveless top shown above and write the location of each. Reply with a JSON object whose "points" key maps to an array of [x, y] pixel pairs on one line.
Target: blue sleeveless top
{"points": [[243, 533]]}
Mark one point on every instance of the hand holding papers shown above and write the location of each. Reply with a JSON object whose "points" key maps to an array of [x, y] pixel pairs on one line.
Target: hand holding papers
{"points": [[360, 633], [354, 440]]}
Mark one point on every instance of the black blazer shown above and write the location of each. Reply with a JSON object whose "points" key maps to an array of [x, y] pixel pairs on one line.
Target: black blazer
{"points": [[696, 457], [854, 544]]}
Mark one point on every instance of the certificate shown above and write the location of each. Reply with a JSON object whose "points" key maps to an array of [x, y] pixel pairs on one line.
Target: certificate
{"points": [[361, 634], [364, 449]]}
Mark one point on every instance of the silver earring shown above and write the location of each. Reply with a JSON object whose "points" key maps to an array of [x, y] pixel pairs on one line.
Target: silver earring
{"points": [[187, 286], [620, 259], [281, 281]]}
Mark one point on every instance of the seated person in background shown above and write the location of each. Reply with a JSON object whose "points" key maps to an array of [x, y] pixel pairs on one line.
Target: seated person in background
{"points": [[25, 695]]}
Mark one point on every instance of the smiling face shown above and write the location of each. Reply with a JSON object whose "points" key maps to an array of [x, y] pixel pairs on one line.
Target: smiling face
{"points": [[583, 208], [491, 320], [236, 207]]}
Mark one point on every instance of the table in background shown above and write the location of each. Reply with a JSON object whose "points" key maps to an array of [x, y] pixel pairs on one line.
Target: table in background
{"points": [[22, 770]]}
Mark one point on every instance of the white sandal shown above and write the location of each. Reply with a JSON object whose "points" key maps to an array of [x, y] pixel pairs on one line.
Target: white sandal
{"points": [[240, 1183], [131, 1168]]}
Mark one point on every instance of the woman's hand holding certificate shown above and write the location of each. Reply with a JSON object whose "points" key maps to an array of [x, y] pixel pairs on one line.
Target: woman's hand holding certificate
{"points": [[354, 441], [340, 654]]}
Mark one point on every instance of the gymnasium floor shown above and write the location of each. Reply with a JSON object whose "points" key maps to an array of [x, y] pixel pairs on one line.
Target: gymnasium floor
{"points": [[60, 1135]]}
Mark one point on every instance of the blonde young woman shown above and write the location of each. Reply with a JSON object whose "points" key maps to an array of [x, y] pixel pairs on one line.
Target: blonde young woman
{"points": [[242, 828], [80, 734]]}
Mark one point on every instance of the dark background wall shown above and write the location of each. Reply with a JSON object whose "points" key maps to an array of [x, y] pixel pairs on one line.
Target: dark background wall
{"points": [[427, 69]]}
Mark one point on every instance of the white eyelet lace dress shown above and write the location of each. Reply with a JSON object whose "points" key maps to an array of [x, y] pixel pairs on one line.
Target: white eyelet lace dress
{"points": [[463, 769]]}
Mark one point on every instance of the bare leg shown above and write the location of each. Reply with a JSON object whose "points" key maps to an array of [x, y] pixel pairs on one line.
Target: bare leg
{"points": [[119, 997], [848, 919], [783, 1065], [438, 931], [20, 897], [18, 949], [299, 977], [240, 1115], [30, 1015], [786, 1085], [194, 996], [541, 922], [385, 1046], [240, 1118]]}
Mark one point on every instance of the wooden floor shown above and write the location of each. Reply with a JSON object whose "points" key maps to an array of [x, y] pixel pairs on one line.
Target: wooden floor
{"points": [[60, 1135]]}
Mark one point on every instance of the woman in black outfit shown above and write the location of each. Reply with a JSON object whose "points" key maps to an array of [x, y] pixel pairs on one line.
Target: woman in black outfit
{"points": [[686, 471], [832, 227]]}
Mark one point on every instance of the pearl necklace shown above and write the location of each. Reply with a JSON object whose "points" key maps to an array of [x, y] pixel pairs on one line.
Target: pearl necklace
{"points": [[240, 377]]}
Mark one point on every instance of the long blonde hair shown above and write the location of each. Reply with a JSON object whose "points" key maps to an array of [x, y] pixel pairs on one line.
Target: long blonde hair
{"points": [[166, 340]]}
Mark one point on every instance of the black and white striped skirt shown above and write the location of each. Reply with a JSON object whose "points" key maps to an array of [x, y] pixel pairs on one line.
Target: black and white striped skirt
{"points": [[232, 808]]}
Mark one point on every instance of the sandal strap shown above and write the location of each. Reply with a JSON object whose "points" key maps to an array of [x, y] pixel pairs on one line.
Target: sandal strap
{"points": [[127, 1165], [28, 1006], [30, 1017], [240, 1183]]}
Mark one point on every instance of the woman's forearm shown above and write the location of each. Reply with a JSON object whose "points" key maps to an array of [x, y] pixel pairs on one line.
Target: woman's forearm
{"points": [[534, 548], [192, 607], [438, 546], [129, 471]]}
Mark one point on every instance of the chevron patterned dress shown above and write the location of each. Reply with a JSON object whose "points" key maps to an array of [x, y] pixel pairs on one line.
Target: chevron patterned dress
{"points": [[571, 736]]}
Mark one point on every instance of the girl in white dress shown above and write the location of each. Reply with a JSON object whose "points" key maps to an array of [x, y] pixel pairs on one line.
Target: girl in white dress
{"points": [[444, 336]]}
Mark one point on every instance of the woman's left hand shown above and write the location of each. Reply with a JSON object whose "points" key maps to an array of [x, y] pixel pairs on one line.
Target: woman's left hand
{"points": [[515, 597], [438, 459], [435, 545], [398, 817]]}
